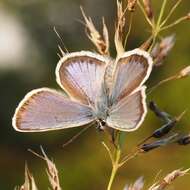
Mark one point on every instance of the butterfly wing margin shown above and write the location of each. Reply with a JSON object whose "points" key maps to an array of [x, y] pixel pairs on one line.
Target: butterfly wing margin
{"points": [[130, 112], [81, 75], [45, 109], [131, 71]]}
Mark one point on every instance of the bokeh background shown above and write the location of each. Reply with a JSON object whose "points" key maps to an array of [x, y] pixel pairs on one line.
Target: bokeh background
{"points": [[28, 57]]}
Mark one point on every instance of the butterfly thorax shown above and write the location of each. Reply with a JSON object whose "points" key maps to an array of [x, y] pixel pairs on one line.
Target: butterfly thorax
{"points": [[101, 111], [101, 107]]}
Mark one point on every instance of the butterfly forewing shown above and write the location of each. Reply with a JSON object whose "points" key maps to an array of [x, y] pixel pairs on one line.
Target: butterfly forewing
{"points": [[131, 71], [129, 113], [45, 109], [81, 75]]}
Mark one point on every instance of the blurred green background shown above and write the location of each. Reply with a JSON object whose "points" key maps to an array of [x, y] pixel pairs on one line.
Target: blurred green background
{"points": [[28, 47]]}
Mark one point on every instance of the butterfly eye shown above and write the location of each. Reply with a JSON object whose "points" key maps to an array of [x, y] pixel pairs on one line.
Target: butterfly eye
{"points": [[103, 123]]}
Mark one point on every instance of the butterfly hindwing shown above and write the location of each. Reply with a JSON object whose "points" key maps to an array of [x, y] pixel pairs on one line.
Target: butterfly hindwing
{"points": [[129, 113]]}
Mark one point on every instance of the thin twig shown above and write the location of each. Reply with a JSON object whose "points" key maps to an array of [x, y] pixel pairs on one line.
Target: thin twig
{"points": [[64, 46], [114, 168], [109, 152], [144, 13], [129, 29], [160, 83], [129, 157], [170, 13], [161, 13], [174, 23]]}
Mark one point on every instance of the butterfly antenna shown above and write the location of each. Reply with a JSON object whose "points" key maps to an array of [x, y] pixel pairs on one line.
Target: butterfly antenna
{"points": [[60, 38], [76, 136]]}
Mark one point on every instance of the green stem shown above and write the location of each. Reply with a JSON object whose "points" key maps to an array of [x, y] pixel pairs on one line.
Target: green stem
{"points": [[161, 83], [161, 13], [153, 42], [144, 13], [170, 13], [174, 23], [129, 30], [114, 168], [156, 29]]}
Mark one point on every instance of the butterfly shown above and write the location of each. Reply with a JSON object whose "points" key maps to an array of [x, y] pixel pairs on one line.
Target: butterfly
{"points": [[98, 89]]}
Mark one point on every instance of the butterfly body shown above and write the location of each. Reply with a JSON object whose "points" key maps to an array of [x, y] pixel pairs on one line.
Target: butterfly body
{"points": [[100, 108], [100, 89]]}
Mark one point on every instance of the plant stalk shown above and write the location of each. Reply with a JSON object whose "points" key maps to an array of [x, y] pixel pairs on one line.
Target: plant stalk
{"points": [[161, 13], [156, 29], [114, 168]]}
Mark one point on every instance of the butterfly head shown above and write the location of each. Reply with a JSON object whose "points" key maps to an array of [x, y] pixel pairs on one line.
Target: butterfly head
{"points": [[101, 124]]}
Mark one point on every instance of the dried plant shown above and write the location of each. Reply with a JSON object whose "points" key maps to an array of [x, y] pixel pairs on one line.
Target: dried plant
{"points": [[138, 185], [120, 25], [51, 170], [52, 173], [148, 9], [163, 184], [131, 4], [162, 49], [29, 183], [101, 42]]}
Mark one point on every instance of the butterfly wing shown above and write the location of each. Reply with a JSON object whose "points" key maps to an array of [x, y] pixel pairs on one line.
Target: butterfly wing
{"points": [[81, 75], [127, 97], [132, 70], [129, 113], [44, 109]]}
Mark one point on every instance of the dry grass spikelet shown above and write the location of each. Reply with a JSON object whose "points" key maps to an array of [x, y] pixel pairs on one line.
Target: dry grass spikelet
{"points": [[51, 170], [163, 184], [148, 8], [101, 42], [131, 5], [138, 185], [188, 15], [184, 72], [29, 183], [52, 173], [120, 26], [162, 49]]}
